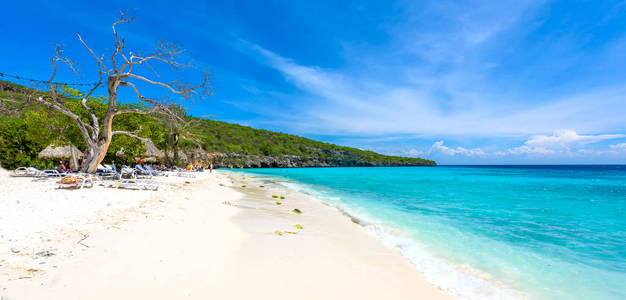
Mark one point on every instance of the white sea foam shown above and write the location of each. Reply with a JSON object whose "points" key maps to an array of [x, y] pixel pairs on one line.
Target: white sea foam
{"points": [[462, 281]]}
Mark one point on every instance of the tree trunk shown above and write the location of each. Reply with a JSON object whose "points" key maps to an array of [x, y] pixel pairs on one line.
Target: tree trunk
{"points": [[176, 149], [94, 158], [97, 150], [73, 161]]}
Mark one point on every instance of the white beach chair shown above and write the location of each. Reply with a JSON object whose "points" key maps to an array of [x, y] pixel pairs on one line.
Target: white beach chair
{"points": [[80, 181], [184, 173], [106, 173], [155, 172], [128, 180], [25, 172], [142, 173], [50, 173]]}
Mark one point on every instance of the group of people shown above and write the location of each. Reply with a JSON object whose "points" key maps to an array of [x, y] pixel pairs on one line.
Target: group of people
{"points": [[64, 167], [191, 167]]}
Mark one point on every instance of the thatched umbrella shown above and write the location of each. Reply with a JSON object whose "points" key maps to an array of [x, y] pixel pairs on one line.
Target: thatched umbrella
{"points": [[152, 150], [69, 151], [120, 153], [150, 159]]}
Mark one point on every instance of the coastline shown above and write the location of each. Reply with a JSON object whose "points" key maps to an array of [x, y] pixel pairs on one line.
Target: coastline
{"points": [[213, 238], [458, 280]]}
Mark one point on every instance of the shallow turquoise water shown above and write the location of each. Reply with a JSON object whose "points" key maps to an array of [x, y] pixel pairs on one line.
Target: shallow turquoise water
{"points": [[490, 232]]}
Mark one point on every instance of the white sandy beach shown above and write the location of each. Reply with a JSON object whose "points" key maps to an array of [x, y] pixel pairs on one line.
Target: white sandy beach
{"points": [[202, 238]]}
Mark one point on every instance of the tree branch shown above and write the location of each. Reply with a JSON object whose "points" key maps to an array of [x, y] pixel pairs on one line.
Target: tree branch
{"points": [[185, 92], [119, 43], [64, 110], [100, 63], [156, 107]]}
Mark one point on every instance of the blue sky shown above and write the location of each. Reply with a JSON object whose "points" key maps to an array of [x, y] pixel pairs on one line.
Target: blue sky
{"points": [[455, 81]]}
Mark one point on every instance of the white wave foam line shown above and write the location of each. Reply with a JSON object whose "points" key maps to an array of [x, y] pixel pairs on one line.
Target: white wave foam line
{"points": [[463, 282]]}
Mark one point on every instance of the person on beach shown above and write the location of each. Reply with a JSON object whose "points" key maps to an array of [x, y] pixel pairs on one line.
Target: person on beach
{"points": [[211, 168], [189, 167], [61, 167]]}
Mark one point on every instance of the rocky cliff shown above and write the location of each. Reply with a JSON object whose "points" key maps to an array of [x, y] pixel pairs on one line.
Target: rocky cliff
{"points": [[335, 159]]}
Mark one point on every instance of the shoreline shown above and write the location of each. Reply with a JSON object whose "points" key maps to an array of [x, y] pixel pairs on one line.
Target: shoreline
{"points": [[460, 281], [210, 238], [371, 262]]}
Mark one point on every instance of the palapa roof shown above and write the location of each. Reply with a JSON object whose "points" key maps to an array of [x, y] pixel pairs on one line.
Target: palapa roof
{"points": [[151, 151], [120, 153], [60, 152]]}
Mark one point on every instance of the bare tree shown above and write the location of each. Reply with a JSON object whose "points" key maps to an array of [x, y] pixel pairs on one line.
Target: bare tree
{"points": [[119, 73]]}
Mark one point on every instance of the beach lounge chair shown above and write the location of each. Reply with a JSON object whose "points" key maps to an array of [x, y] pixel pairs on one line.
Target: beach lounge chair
{"points": [[184, 173], [51, 173], [128, 179], [76, 182], [155, 172], [26, 172], [106, 173], [142, 173], [34, 172]]}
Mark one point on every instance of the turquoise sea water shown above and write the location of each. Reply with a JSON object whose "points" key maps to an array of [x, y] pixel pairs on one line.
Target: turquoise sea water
{"points": [[541, 232]]}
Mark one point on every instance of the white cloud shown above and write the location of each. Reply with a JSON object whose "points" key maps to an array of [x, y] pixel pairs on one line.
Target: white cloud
{"points": [[562, 141], [439, 147], [344, 104], [527, 149], [414, 153], [448, 88], [566, 138], [619, 147]]}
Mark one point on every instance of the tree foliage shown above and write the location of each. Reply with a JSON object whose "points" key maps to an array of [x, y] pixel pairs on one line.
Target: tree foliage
{"points": [[25, 133]]}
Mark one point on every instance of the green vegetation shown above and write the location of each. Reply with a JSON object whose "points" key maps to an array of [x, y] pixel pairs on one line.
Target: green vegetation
{"points": [[278, 203], [282, 197], [24, 133], [298, 226], [297, 211], [274, 196]]}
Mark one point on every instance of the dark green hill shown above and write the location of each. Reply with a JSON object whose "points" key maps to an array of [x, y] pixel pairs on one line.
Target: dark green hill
{"points": [[25, 133]]}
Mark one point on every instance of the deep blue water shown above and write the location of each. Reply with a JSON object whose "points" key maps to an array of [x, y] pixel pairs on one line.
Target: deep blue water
{"points": [[545, 232]]}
